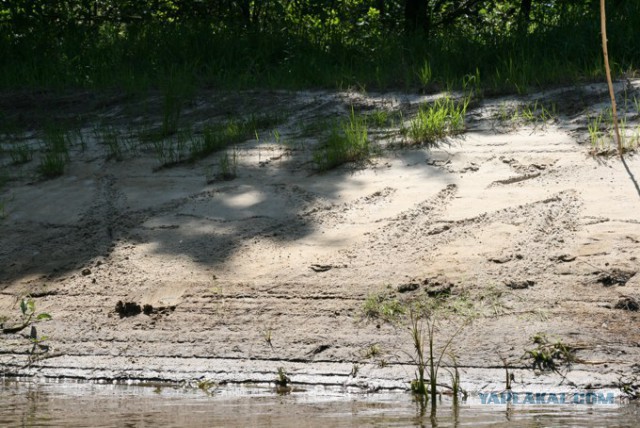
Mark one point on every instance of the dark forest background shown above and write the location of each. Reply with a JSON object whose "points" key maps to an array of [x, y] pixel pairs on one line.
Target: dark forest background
{"points": [[502, 46]]}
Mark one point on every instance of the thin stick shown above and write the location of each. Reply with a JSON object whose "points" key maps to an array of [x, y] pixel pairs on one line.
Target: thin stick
{"points": [[603, 26]]}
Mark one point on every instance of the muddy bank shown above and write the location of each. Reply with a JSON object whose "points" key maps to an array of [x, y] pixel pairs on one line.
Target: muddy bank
{"points": [[175, 274]]}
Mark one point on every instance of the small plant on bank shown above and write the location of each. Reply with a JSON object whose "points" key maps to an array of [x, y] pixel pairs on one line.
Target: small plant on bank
{"points": [[117, 144], [383, 118], [425, 74], [20, 154], [355, 368], [472, 86], [282, 381], [601, 134], [268, 337], [187, 147], [228, 166], [536, 113], [456, 389], [52, 164], [595, 135], [430, 359], [549, 355], [206, 386], [509, 377], [56, 144], [372, 351], [383, 307], [437, 120], [114, 144], [29, 318], [348, 142], [630, 388]]}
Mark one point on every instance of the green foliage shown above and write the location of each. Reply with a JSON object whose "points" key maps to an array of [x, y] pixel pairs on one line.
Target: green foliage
{"points": [[425, 75], [20, 153], [55, 158], [383, 118], [348, 142], [437, 120], [29, 316], [593, 125], [52, 164], [372, 351], [423, 329], [548, 355], [382, 306], [176, 46], [228, 166], [187, 146], [283, 380]]}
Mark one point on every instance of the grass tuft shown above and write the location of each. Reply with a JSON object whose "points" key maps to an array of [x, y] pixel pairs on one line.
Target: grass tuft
{"points": [[348, 142], [435, 121], [381, 306]]}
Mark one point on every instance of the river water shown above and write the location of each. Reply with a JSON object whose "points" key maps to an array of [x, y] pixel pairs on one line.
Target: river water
{"points": [[68, 404]]}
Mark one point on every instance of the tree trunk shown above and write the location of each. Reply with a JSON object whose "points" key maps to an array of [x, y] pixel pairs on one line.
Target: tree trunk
{"points": [[525, 15], [416, 17], [245, 13]]}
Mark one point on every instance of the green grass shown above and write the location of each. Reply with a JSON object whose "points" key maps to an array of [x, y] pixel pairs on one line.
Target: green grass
{"points": [[112, 139], [348, 142], [594, 125], [381, 306], [228, 166], [549, 355], [55, 157], [187, 145], [601, 133], [309, 51], [52, 164], [383, 118], [20, 153], [536, 112], [435, 121], [423, 329]]}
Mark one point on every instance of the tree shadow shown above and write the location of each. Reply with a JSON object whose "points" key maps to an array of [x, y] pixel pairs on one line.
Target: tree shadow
{"points": [[631, 176], [274, 200]]}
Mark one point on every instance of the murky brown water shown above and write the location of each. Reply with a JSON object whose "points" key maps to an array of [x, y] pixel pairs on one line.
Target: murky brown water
{"points": [[42, 404]]}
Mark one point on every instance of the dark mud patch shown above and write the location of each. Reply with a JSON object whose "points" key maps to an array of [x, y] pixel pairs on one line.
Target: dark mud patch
{"points": [[614, 277], [517, 284], [158, 310], [628, 303], [128, 309]]}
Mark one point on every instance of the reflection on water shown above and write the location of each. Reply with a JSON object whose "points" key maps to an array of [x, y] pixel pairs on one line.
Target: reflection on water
{"points": [[41, 404]]}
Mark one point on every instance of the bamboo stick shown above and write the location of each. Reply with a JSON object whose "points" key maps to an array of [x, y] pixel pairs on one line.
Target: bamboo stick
{"points": [[603, 26]]}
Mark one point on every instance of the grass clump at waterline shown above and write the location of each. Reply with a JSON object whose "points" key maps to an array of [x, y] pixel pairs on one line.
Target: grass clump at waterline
{"points": [[424, 317], [347, 142]]}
